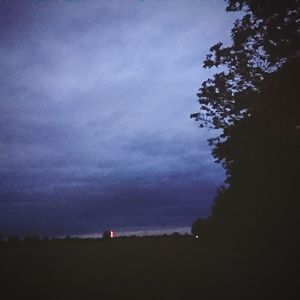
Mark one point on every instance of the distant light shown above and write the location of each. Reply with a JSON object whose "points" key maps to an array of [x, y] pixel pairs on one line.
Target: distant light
{"points": [[111, 234], [197, 237]]}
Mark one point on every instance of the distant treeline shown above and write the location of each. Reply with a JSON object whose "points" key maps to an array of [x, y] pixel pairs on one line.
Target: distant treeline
{"points": [[37, 240]]}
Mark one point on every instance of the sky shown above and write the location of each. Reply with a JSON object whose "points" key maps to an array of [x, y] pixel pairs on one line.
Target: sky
{"points": [[94, 120]]}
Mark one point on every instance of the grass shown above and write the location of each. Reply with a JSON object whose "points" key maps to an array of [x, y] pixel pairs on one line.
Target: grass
{"points": [[134, 268]]}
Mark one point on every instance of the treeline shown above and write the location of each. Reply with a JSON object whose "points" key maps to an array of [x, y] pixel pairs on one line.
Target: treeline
{"points": [[37, 240], [255, 102]]}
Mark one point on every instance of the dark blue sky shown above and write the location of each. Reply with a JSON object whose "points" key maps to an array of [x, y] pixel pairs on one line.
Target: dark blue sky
{"points": [[95, 103]]}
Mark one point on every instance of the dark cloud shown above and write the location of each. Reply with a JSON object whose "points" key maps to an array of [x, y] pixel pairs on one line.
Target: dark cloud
{"points": [[89, 210], [94, 120]]}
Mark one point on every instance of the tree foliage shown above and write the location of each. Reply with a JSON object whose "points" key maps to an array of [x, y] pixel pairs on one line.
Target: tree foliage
{"points": [[266, 38], [255, 101]]}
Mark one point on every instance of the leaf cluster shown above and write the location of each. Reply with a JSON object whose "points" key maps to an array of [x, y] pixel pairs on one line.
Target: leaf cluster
{"points": [[263, 40]]}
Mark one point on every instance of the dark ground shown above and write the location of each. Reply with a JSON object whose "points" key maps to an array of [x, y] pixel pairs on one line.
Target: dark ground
{"points": [[168, 267]]}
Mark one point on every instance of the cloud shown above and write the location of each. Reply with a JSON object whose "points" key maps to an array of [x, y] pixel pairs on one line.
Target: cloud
{"points": [[95, 99]]}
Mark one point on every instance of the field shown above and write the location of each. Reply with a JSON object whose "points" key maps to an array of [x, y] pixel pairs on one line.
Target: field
{"points": [[167, 267]]}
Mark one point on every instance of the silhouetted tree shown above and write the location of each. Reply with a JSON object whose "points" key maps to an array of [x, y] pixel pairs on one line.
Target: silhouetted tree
{"points": [[266, 38], [255, 101], [175, 234]]}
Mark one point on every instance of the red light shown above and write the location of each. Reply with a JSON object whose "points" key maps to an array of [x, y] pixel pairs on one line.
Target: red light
{"points": [[111, 234]]}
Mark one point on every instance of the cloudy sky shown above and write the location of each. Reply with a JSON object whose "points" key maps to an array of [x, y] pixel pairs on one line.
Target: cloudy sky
{"points": [[94, 120]]}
